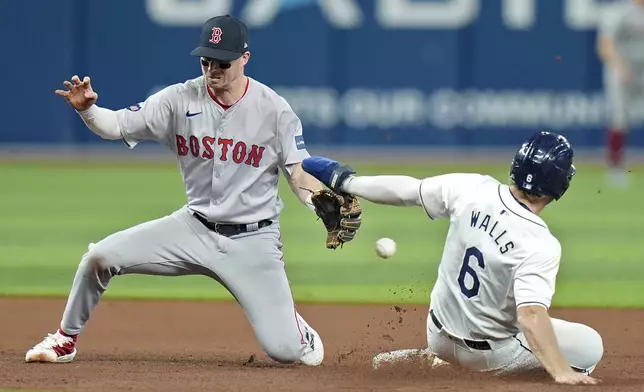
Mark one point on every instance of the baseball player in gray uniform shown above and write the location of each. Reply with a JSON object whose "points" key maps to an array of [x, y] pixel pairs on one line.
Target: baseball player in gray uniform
{"points": [[232, 136], [620, 44]]}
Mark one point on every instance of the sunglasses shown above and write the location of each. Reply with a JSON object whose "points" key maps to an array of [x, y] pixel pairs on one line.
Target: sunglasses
{"points": [[206, 62]]}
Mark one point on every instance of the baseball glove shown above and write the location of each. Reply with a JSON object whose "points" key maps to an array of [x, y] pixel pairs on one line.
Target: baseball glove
{"points": [[340, 215]]}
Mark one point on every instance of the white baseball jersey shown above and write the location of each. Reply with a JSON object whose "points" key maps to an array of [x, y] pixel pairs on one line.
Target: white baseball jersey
{"points": [[624, 23], [498, 256], [229, 156]]}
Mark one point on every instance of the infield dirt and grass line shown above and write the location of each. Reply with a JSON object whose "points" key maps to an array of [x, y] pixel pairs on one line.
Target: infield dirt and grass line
{"points": [[51, 211], [209, 346], [196, 346]]}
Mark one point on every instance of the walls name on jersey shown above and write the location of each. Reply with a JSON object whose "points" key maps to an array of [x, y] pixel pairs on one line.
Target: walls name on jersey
{"points": [[492, 231], [224, 149]]}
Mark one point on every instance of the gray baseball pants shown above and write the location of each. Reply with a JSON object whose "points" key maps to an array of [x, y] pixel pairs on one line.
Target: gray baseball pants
{"points": [[249, 265]]}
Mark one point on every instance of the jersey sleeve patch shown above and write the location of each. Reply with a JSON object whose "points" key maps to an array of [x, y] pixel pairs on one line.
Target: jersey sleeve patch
{"points": [[135, 108], [299, 142]]}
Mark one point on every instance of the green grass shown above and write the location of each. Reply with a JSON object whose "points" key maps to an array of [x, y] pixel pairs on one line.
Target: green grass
{"points": [[50, 211], [27, 390]]}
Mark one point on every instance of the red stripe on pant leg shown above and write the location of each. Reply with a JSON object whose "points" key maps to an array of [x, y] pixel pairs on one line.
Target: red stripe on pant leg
{"points": [[302, 339], [299, 328]]}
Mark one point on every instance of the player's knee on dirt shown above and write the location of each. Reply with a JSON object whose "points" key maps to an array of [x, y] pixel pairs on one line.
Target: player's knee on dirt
{"points": [[582, 346], [284, 352], [283, 344], [593, 350]]}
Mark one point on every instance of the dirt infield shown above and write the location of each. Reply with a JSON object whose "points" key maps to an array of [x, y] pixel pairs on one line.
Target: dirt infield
{"points": [[209, 346]]}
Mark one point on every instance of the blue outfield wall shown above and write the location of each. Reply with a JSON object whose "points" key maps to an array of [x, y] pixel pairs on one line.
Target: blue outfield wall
{"points": [[358, 72]]}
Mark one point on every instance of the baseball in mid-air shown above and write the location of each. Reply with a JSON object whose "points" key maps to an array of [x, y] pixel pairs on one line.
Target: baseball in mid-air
{"points": [[385, 247]]}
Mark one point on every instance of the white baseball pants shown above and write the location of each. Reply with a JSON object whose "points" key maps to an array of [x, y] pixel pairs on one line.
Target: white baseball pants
{"points": [[581, 345]]}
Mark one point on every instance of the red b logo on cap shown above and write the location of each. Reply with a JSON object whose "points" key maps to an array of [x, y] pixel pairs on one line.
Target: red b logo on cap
{"points": [[216, 35]]}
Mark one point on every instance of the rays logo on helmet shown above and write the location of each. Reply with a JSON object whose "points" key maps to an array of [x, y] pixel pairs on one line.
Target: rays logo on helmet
{"points": [[543, 164]]}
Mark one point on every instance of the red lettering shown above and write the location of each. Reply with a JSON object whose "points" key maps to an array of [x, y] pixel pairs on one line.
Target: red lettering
{"points": [[208, 143], [206, 146], [182, 149], [239, 153], [194, 146], [255, 156], [224, 143]]}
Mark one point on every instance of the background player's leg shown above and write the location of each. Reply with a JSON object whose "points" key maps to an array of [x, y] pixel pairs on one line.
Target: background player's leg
{"points": [[254, 273], [164, 246], [616, 95], [581, 345]]}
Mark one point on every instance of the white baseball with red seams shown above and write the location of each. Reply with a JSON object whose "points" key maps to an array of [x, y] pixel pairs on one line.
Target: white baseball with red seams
{"points": [[385, 247]]}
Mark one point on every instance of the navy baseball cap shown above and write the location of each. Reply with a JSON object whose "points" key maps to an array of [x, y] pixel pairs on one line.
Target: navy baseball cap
{"points": [[223, 38]]}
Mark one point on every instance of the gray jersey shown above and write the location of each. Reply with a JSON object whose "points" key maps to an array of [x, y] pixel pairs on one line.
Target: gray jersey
{"points": [[229, 158], [624, 24]]}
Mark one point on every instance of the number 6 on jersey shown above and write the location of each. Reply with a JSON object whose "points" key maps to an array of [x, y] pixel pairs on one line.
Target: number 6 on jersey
{"points": [[467, 270]]}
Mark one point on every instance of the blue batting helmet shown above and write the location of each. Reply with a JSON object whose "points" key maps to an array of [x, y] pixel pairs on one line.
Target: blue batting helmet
{"points": [[543, 165]]}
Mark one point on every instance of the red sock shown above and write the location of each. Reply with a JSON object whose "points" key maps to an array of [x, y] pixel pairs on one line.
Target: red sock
{"points": [[60, 331], [616, 146]]}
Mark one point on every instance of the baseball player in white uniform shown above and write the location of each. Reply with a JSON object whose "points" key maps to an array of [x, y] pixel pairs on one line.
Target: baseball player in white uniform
{"points": [[232, 136], [496, 279], [620, 45]]}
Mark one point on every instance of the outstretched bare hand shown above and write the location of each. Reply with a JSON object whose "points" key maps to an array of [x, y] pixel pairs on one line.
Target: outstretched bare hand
{"points": [[79, 93]]}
